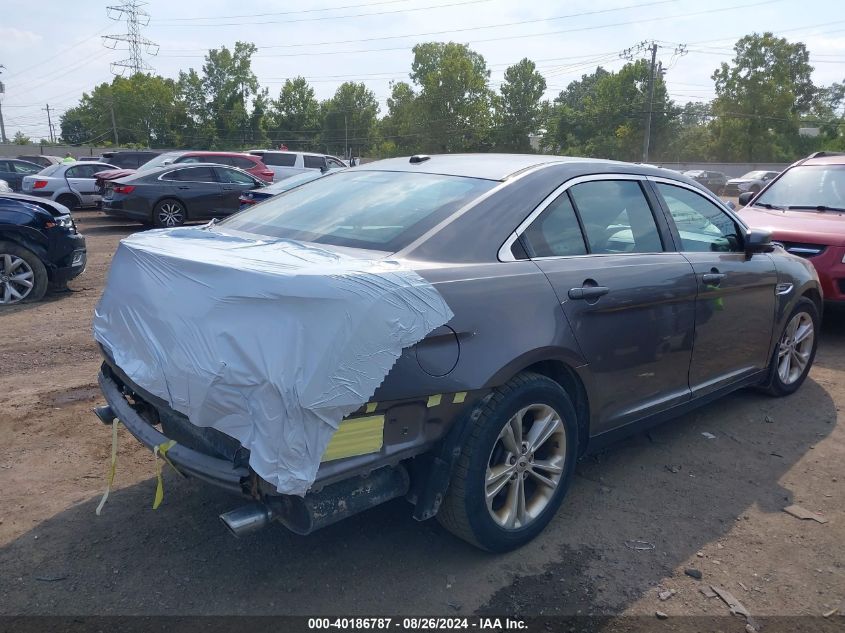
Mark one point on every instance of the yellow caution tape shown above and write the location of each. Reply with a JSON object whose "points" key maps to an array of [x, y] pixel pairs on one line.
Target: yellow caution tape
{"points": [[161, 449], [371, 407], [356, 436], [434, 400], [459, 397], [112, 468]]}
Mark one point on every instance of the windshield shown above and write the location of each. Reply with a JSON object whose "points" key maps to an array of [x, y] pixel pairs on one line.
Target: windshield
{"points": [[808, 186], [160, 161], [364, 209]]}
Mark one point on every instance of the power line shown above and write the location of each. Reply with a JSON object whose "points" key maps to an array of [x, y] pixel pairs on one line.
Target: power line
{"points": [[136, 18], [262, 15]]}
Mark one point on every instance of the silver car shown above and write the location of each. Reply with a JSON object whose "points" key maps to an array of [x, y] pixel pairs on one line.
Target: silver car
{"points": [[70, 184]]}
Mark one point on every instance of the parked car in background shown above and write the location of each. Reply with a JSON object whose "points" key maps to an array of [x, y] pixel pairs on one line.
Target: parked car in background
{"points": [[589, 299], [42, 159], [285, 163], [70, 184], [805, 209], [39, 246], [715, 181], [175, 194], [254, 196], [4, 187], [90, 159], [752, 182], [13, 170], [129, 159], [247, 162]]}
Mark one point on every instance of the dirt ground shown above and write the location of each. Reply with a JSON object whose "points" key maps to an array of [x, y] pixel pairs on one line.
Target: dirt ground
{"points": [[714, 505]]}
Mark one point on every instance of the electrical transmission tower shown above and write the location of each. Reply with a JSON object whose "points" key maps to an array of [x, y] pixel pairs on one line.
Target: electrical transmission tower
{"points": [[655, 67], [136, 18]]}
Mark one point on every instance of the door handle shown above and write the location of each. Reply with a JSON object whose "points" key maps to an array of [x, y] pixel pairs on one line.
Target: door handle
{"points": [[183, 187], [713, 278], [588, 293]]}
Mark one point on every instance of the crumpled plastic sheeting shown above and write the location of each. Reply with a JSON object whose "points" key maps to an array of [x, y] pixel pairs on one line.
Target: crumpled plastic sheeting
{"points": [[272, 342]]}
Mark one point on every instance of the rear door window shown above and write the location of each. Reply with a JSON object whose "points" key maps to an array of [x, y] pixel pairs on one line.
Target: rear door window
{"points": [[191, 174], [616, 217], [232, 176], [556, 232], [243, 163], [314, 162], [279, 159], [23, 168]]}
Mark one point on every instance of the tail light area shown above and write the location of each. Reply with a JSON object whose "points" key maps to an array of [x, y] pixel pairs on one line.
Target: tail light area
{"points": [[123, 188], [39, 184]]}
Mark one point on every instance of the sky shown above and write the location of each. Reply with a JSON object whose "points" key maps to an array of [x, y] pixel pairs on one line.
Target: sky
{"points": [[55, 53]]}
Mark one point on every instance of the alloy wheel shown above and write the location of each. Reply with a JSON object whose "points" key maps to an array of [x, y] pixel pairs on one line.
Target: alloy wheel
{"points": [[16, 279], [525, 466], [795, 348], [170, 214]]}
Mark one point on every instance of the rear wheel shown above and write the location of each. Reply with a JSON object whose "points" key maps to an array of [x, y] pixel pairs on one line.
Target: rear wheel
{"points": [[23, 276], [70, 201], [169, 213], [795, 351], [516, 466]]}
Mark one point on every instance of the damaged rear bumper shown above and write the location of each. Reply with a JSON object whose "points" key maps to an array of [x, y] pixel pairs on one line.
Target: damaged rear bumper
{"points": [[220, 472]]}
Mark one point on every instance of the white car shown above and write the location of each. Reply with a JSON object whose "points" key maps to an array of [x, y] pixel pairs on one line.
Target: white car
{"points": [[285, 163], [70, 184]]}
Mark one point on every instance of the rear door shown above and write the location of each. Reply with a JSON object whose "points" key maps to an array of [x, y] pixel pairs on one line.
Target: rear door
{"points": [[736, 293], [197, 188], [629, 299], [232, 184], [80, 177]]}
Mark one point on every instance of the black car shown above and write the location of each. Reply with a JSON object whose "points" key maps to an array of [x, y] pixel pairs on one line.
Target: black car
{"points": [[12, 170], [39, 246], [129, 159], [715, 181], [175, 194]]}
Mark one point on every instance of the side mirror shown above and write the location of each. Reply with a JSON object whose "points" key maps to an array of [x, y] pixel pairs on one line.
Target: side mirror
{"points": [[745, 198], [167, 162], [758, 241]]}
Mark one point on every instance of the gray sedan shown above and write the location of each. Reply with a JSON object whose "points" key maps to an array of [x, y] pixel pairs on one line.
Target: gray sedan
{"points": [[70, 184], [591, 299]]}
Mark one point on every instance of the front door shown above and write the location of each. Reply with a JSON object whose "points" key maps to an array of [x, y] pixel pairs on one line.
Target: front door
{"points": [[736, 293], [630, 302]]}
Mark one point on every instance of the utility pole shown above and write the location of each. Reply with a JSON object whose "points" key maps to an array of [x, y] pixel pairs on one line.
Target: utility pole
{"points": [[647, 135], [50, 123], [345, 138], [113, 124], [652, 46], [3, 138]]}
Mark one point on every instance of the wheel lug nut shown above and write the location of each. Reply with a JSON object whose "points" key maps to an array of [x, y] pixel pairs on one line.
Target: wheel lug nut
{"points": [[513, 460]]}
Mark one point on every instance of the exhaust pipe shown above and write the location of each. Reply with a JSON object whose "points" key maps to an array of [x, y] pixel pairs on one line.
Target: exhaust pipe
{"points": [[303, 515], [247, 519]]}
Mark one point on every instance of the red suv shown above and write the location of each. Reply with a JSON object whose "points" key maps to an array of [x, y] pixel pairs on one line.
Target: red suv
{"points": [[247, 162], [805, 209]]}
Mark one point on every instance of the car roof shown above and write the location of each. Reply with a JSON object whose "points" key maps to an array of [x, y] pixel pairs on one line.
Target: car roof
{"points": [[497, 166], [255, 152], [212, 153], [825, 158]]}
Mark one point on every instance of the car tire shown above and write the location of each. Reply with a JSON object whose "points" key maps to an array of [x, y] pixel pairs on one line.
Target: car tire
{"points": [[169, 213], [795, 350], [21, 259], [521, 505], [69, 200]]}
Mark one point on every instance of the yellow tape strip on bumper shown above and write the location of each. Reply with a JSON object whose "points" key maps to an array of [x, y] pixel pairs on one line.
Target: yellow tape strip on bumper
{"points": [[356, 436]]}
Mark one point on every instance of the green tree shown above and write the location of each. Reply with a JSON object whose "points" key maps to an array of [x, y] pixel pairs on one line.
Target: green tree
{"points": [[603, 115], [519, 106], [21, 139], [148, 112], [349, 119], [454, 99], [401, 130], [296, 115], [760, 98]]}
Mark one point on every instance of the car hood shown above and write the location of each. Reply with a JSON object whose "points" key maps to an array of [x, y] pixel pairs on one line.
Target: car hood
{"points": [[114, 174], [812, 227], [270, 341], [53, 208]]}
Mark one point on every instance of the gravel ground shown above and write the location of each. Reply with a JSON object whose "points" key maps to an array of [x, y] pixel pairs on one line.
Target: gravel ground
{"points": [[714, 505]]}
